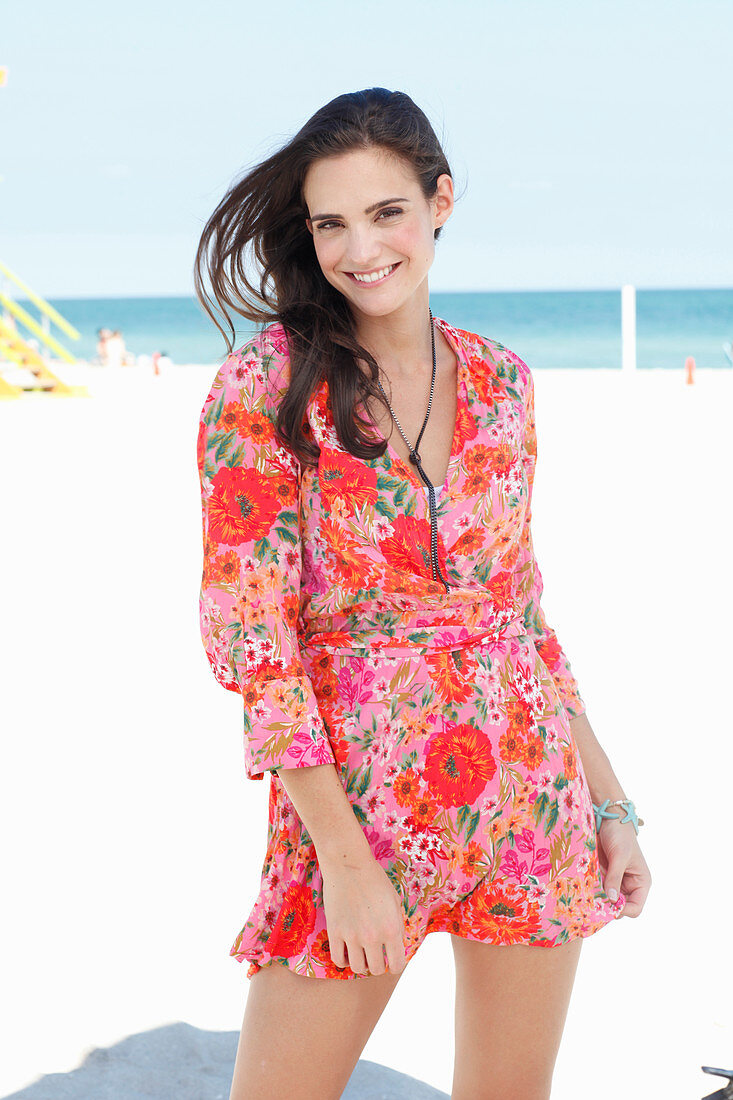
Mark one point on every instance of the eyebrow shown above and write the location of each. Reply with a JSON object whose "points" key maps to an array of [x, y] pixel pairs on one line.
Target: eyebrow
{"points": [[369, 209]]}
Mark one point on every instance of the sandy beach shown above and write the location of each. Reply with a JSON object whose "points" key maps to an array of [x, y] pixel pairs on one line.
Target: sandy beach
{"points": [[133, 841]]}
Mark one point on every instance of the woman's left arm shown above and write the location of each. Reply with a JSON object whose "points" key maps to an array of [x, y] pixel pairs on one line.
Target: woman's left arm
{"points": [[620, 857]]}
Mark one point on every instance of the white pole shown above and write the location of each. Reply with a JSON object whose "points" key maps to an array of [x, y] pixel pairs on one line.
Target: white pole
{"points": [[628, 328]]}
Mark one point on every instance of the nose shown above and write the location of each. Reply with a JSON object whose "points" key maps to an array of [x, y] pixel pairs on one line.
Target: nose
{"points": [[363, 249]]}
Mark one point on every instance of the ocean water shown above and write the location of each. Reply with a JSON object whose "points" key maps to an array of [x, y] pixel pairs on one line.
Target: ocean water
{"points": [[555, 328]]}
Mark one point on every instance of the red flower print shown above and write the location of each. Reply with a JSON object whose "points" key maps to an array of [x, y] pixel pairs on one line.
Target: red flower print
{"points": [[534, 752], [408, 548], [352, 564], [479, 458], [459, 764], [470, 542], [519, 714], [284, 489], [442, 918], [501, 588], [224, 569], [201, 445], [491, 390], [454, 674], [406, 787], [321, 951], [423, 812], [466, 427], [291, 607], [570, 762], [472, 858], [503, 913], [242, 506], [477, 481], [502, 459], [231, 418], [295, 921], [341, 475], [511, 747], [549, 650]]}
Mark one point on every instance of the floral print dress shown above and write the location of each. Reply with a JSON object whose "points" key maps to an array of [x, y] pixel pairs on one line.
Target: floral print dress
{"points": [[445, 707]]}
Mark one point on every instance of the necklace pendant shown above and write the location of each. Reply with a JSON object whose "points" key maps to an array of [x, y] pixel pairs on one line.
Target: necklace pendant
{"points": [[415, 458]]}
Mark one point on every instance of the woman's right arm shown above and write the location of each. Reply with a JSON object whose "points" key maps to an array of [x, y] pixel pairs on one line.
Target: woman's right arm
{"points": [[249, 603], [363, 909], [250, 587]]}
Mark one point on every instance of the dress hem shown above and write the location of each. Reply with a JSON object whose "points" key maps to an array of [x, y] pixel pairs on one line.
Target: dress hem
{"points": [[291, 961]]}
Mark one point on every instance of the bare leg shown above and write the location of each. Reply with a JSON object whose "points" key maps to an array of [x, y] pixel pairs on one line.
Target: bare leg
{"points": [[511, 1004], [302, 1037]]}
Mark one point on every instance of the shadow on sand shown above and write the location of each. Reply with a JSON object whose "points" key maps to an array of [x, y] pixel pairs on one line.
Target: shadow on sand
{"points": [[191, 1064]]}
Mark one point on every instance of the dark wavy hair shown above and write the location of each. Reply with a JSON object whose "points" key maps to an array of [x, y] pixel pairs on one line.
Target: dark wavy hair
{"points": [[266, 211]]}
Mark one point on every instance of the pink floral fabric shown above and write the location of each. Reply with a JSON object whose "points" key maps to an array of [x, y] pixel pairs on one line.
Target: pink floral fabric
{"points": [[445, 711]]}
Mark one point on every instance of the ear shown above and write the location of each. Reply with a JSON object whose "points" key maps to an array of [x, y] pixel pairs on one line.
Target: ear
{"points": [[444, 199], [309, 223]]}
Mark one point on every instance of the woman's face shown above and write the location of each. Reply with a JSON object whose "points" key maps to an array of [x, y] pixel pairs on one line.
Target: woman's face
{"points": [[365, 234]]}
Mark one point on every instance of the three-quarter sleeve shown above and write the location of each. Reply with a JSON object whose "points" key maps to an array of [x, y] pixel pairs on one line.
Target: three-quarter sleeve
{"points": [[545, 638], [250, 588]]}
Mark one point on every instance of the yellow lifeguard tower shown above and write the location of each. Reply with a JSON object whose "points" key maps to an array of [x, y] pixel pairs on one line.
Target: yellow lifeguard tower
{"points": [[15, 348]]}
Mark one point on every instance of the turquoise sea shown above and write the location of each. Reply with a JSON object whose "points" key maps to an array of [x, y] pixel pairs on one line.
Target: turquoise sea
{"points": [[555, 328]]}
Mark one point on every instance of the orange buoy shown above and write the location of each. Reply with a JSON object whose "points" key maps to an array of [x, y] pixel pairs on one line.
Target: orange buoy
{"points": [[689, 370]]}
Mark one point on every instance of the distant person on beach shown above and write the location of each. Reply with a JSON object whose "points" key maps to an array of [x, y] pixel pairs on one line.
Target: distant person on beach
{"points": [[371, 593], [103, 335], [161, 361], [116, 351]]}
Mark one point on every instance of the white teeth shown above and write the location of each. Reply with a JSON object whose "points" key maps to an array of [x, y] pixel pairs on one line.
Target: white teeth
{"points": [[376, 275]]}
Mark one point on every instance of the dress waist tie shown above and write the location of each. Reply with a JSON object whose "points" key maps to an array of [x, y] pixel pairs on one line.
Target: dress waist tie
{"points": [[416, 640]]}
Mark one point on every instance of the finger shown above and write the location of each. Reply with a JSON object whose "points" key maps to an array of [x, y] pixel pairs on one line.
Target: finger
{"points": [[337, 951], [396, 957], [634, 901], [612, 878], [375, 958], [357, 960]]}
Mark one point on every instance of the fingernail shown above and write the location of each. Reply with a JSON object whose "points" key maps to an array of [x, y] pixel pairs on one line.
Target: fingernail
{"points": [[613, 894]]}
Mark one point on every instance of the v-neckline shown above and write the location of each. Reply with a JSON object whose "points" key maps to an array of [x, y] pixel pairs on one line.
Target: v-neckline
{"points": [[461, 394]]}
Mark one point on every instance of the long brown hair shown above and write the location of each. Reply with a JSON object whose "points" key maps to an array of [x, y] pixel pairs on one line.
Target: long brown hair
{"points": [[266, 211]]}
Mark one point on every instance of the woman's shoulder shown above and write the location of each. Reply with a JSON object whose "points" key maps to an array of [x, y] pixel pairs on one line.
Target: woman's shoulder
{"points": [[261, 364], [269, 343], [488, 354]]}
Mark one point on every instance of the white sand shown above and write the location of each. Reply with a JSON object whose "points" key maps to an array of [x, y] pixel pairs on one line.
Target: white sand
{"points": [[132, 842]]}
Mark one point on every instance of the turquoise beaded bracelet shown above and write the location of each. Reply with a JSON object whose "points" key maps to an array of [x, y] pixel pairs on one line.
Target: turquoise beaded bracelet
{"points": [[601, 812]]}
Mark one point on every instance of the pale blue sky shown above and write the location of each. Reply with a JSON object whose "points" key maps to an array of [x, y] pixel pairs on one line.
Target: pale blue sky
{"points": [[592, 141]]}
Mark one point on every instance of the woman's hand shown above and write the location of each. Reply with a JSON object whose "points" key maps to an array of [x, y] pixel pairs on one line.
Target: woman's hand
{"points": [[363, 912], [622, 865]]}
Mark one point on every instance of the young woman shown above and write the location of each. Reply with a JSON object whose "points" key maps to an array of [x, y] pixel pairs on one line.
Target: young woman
{"points": [[370, 589]]}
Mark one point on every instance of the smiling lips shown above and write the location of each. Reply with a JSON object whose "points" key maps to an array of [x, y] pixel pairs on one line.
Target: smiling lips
{"points": [[376, 278]]}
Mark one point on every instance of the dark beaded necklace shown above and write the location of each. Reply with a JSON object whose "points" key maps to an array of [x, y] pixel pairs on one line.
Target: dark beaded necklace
{"points": [[417, 462]]}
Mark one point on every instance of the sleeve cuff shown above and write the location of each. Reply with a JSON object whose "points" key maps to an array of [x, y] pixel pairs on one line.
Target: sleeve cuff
{"points": [[284, 729]]}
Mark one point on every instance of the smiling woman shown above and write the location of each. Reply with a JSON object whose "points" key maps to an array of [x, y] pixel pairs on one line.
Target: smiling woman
{"points": [[401, 685], [379, 246]]}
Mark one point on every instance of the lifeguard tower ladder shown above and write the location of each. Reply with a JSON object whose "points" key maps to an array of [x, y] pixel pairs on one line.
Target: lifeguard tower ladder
{"points": [[14, 347]]}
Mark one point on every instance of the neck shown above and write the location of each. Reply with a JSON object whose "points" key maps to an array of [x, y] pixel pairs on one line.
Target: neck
{"points": [[401, 342]]}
